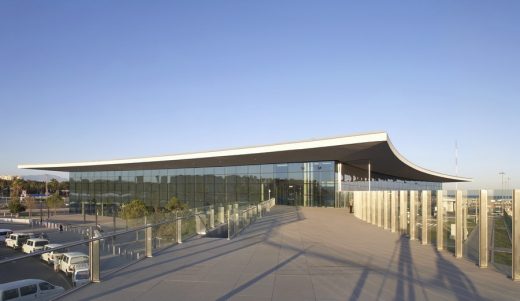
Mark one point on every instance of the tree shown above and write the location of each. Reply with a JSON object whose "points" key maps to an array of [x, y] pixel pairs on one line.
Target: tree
{"points": [[15, 207], [16, 188], [53, 185], [134, 209], [54, 201], [174, 204], [30, 203]]}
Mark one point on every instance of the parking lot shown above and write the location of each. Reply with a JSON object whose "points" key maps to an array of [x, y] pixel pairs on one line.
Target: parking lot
{"points": [[115, 253]]}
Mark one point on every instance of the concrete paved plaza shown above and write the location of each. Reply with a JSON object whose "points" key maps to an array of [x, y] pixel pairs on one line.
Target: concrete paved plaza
{"points": [[304, 254]]}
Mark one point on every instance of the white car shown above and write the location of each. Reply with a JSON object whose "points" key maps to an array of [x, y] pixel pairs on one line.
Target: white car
{"points": [[80, 277], [34, 244], [29, 289], [71, 261], [4, 234], [52, 256], [17, 239]]}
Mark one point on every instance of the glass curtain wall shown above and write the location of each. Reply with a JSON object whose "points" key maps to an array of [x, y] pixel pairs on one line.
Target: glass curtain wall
{"points": [[300, 184], [356, 179]]}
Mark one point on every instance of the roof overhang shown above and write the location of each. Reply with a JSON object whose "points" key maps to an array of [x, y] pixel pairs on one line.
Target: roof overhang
{"points": [[356, 150]]}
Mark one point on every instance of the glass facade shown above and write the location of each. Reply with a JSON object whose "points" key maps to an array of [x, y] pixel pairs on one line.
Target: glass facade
{"points": [[301, 184], [356, 179], [298, 184]]}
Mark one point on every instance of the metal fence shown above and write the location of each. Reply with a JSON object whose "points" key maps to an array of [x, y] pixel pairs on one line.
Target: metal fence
{"points": [[126, 243], [482, 226]]}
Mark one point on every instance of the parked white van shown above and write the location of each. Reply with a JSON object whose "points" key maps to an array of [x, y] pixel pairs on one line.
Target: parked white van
{"points": [[29, 289], [52, 256], [4, 234], [72, 261], [34, 244], [80, 277], [17, 239]]}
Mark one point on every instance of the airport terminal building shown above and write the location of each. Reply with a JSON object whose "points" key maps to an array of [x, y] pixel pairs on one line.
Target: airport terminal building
{"points": [[306, 173]]}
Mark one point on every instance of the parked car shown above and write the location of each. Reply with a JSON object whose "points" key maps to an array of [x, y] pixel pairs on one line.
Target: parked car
{"points": [[17, 239], [4, 234], [71, 261], [80, 277], [34, 244], [29, 289], [52, 256]]}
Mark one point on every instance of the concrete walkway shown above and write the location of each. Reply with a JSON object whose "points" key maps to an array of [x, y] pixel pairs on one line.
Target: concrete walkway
{"points": [[304, 254]]}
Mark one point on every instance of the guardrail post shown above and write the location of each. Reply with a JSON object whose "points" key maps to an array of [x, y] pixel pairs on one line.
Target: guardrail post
{"points": [[220, 217], [440, 221], [393, 209], [179, 230], [413, 213], [483, 230], [515, 219], [94, 260], [458, 224], [212, 218], [403, 210], [426, 204], [148, 240]]}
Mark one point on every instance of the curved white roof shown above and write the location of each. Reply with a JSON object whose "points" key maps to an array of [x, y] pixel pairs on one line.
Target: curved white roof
{"points": [[355, 150]]}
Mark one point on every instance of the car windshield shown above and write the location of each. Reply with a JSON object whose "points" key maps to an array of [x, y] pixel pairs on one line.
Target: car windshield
{"points": [[80, 259], [82, 275]]}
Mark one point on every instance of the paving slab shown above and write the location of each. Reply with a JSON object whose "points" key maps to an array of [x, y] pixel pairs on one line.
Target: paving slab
{"points": [[304, 254]]}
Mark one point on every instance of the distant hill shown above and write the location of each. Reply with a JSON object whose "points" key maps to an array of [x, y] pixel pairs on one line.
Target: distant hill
{"points": [[41, 178]]}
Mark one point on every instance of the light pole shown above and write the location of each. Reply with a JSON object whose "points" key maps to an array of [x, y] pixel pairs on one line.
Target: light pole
{"points": [[502, 187]]}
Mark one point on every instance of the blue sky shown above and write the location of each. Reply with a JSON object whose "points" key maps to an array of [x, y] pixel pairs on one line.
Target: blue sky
{"points": [[87, 80]]}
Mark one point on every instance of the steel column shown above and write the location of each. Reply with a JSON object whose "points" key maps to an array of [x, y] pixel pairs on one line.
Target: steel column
{"points": [[386, 205], [425, 203], [458, 224], [440, 221], [403, 210], [483, 230], [393, 209], [94, 260], [148, 240], [413, 213], [379, 208]]}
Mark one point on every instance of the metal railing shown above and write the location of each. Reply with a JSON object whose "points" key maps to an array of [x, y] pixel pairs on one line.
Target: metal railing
{"points": [[479, 225], [126, 244], [239, 219]]}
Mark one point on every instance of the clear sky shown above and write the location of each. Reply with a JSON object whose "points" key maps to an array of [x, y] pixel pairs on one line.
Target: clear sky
{"points": [[87, 80]]}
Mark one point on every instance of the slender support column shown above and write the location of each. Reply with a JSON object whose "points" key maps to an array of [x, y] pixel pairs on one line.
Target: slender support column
{"points": [[212, 218], [483, 230], [373, 199], [179, 231], [369, 175], [367, 204], [425, 204], [393, 213], [148, 239], [386, 206], [364, 197], [458, 224], [413, 213], [440, 221], [403, 210], [516, 235], [94, 260], [220, 215], [379, 209]]}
